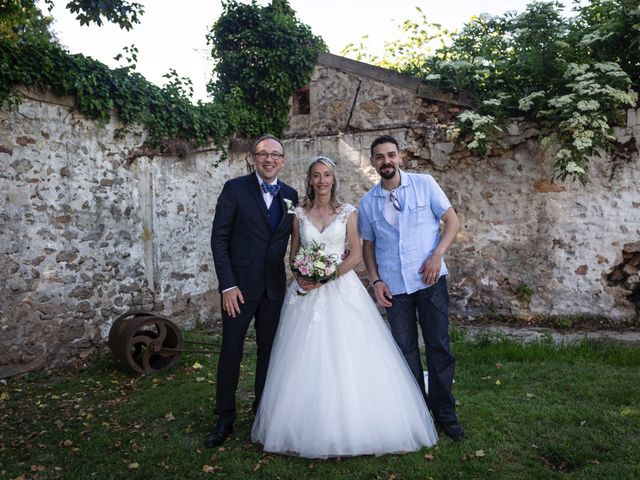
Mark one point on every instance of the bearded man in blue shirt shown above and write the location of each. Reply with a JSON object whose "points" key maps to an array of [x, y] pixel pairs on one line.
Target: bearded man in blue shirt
{"points": [[399, 222]]}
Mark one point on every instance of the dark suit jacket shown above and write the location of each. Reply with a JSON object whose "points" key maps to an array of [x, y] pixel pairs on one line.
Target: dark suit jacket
{"points": [[246, 253]]}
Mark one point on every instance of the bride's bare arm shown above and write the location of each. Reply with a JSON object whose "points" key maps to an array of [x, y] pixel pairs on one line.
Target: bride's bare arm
{"points": [[355, 250]]}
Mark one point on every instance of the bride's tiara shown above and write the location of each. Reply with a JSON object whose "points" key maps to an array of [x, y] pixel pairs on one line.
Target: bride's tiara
{"points": [[326, 160]]}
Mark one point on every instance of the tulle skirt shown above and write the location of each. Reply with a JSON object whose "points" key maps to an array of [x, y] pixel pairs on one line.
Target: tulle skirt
{"points": [[337, 384]]}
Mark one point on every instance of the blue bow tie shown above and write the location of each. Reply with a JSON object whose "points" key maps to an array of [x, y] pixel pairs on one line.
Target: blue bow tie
{"points": [[272, 189]]}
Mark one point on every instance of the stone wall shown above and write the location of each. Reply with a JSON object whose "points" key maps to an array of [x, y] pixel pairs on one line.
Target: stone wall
{"points": [[87, 234], [528, 246]]}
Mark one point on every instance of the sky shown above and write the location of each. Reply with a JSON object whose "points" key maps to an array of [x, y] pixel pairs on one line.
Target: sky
{"points": [[172, 34]]}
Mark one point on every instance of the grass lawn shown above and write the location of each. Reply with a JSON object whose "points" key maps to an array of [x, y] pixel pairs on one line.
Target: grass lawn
{"points": [[532, 411]]}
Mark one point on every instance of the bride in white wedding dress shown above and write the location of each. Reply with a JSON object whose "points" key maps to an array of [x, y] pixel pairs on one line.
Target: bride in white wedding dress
{"points": [[337, 384]]}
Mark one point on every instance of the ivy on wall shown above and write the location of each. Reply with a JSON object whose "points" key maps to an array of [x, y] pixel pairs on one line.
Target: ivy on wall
{"points": [[246, 101]]}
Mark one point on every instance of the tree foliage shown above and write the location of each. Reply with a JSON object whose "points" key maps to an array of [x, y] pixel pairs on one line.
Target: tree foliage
{"points": [[264, 54], [120, 12], [609, 31], [572, 77], [21, 19]]}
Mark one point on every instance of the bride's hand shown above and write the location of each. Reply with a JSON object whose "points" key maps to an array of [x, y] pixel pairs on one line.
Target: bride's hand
{"points": [[307, 285], [304, 284]]}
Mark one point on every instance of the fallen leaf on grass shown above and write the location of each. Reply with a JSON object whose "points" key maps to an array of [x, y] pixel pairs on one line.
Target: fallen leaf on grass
{"points": [[38, 468], [498, 382], [473, 455], [169, 417], [196, 366], [208, 469], [136, 447], [257, 466], [428, 456], [392, 476], [134, 465], [498, 365], [67, 443]]}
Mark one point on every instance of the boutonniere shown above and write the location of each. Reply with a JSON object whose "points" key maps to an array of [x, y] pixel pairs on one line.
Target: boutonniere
{"points": [[289, 204]]}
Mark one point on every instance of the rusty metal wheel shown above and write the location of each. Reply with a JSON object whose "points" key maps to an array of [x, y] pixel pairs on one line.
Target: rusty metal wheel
{"points": [[146, 342]]}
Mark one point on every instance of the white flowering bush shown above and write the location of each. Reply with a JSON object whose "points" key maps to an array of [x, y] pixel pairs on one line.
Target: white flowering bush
{"points": [[478, 130], [572, 77], [580, 121]]}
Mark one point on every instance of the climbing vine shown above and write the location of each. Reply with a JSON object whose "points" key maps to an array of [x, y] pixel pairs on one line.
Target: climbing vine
{"points": [[247, 100]]}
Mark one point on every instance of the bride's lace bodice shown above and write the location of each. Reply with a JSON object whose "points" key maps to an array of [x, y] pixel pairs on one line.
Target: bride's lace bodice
{"points": [[334, 236]]}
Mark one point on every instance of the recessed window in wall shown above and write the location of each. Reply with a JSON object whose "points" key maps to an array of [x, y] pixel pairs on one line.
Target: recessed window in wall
{"points": [[301, 104]]}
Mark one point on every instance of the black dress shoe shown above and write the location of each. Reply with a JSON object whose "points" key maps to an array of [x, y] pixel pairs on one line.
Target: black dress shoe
{"points": [[218, 436], [452, 430]]}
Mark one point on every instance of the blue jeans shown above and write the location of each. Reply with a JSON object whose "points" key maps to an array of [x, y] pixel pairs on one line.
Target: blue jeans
{"points": [[432, 307]]}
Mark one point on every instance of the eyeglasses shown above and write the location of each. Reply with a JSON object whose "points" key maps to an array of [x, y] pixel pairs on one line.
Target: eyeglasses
{"points": [[394, 201], [273, 155]]}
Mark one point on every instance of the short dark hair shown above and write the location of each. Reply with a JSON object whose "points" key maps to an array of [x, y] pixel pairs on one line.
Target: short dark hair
{"points": [[262, 139], [384, 139]]}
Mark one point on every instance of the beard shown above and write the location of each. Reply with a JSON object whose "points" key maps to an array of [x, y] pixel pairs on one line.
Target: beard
{"points": [[389, 174]]}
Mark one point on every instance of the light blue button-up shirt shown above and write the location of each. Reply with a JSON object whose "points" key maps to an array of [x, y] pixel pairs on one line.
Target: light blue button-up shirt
{"points": [[401, 252]]}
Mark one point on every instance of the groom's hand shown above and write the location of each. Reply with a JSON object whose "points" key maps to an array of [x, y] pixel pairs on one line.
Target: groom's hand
{"points": [[231, 300]]}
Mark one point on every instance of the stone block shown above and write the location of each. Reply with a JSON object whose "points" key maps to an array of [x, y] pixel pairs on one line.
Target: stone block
{"points": [[83, 307], [632, 247], [24, 141], [64, 219], [72, 330], [81, 293], [68, 256]]}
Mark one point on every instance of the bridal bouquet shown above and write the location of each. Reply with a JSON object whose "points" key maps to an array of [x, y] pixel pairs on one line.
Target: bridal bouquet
{"points": [[311, 263]]}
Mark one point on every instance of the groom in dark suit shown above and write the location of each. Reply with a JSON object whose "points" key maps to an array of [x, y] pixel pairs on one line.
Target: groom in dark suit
{"points": [[251, 230]]}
